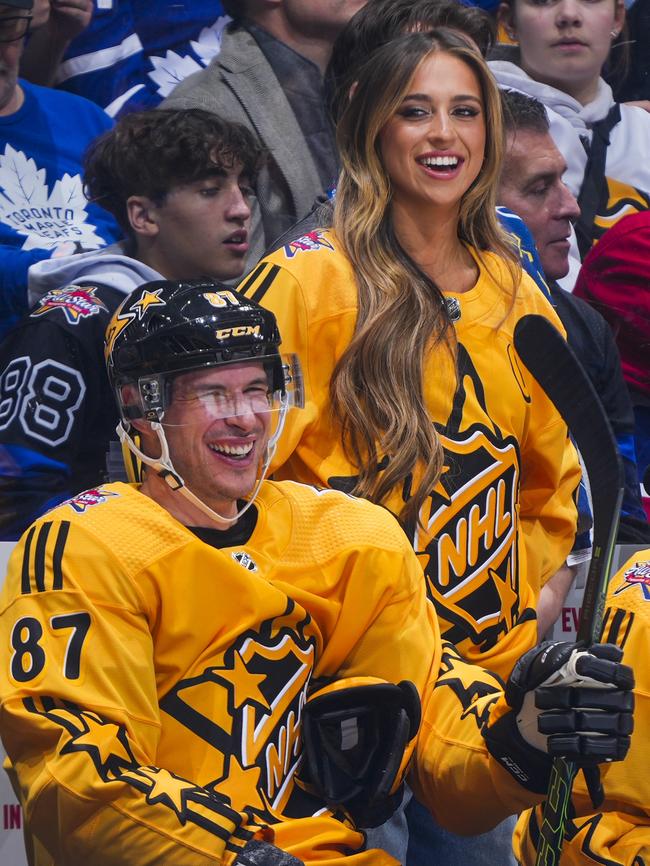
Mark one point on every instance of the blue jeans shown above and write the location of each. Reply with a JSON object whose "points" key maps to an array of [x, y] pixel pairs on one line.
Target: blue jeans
{"points": [[393, 836], [430, 845]]}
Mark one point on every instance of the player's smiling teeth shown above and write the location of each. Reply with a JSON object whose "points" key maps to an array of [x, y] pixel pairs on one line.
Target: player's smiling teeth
{"points": [[232, 450], [439, 161]]}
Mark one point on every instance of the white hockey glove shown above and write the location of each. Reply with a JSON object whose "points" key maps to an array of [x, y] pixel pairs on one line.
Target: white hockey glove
{"points": [[568, 702]]}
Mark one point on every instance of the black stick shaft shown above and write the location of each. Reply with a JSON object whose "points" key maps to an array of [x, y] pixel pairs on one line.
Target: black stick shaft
{"points": [[555, 367]]}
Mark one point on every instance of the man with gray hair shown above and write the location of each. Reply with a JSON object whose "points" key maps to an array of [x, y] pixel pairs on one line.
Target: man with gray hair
{"points": [[532, 186]]}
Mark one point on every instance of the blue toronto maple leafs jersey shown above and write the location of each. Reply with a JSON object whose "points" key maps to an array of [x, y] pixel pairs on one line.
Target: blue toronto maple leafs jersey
{"points": [[42, 206], [134, 52]]}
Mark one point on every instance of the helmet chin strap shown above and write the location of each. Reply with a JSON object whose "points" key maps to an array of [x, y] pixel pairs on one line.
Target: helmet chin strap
{"points": [[164, 467]]}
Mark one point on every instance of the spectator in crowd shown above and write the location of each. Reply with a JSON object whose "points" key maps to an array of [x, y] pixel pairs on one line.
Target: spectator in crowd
{"points": [[43, 135], [532, 186], [206, 602], [55, 23], [382, 20], [125, 55], [615, 278], [618, 834], [562, 48], [178, 183], [636, 85], [403, 315], [269, 76]]}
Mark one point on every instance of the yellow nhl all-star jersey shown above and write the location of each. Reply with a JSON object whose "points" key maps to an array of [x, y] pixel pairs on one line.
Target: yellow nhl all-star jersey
{"points": [[619, 835], [152, 683], [502, 518]]}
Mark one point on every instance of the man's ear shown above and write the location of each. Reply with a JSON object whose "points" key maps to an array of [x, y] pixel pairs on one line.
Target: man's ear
{"points": [[143, 215], [506, 19]]}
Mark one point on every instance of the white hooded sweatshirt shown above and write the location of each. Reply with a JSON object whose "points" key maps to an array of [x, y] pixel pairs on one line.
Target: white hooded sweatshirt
{"points": [[627, 163]]}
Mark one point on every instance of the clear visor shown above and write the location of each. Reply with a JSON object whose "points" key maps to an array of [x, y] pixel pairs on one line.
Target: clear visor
{"points": [[231, 390]]}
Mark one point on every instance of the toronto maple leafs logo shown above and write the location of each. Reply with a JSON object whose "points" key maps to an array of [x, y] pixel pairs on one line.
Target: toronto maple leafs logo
{"points": [[173, 67], [88, 498], [307, 243], [75, 302], [46, 219]]}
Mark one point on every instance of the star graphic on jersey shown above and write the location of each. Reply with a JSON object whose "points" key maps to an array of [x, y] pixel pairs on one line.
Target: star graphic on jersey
{"points": [[246, 686], [507, 595], [168, 789], [241, 786], [105, 742], [439, 488], [147, 299]]}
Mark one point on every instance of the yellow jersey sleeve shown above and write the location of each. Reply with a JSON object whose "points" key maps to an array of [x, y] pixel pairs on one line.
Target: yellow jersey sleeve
{"points": [[618, 834], [80, 716]]}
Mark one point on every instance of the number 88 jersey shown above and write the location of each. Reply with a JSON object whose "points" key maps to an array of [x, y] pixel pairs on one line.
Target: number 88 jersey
{"points": [[57, 412]]}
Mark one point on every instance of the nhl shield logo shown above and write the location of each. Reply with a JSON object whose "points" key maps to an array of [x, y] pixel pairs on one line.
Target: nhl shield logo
{"points": [[469, 540], [244, 560], [248, 706]]}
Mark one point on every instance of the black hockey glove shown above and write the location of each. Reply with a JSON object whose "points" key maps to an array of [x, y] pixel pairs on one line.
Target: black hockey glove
{"points": [[263, 854], [568, 702], [355, 733]]}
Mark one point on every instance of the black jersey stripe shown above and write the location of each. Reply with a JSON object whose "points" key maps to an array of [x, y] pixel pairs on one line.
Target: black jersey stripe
{"points": [[619, 627], [615, 626], [30, 705], [266, 284], [257, 291], [251, 278], [39, 556], [57, 558], [628, 628], [25, 586]]}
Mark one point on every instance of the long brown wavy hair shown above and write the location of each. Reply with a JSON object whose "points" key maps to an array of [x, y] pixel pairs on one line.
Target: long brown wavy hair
{"points": [[377, 389]]}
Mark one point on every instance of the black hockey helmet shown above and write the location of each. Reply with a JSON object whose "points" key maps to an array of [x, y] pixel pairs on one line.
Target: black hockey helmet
{"points": [[168, 327]]}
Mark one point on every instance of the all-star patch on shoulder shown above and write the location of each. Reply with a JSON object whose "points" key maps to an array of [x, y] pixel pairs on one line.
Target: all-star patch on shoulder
{"points": [[75, 302], [308, 243], [637, 575], [94, 496]]}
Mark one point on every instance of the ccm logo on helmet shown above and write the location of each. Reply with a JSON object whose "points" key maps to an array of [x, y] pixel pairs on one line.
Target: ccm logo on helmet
{"points": [[238, 331]]}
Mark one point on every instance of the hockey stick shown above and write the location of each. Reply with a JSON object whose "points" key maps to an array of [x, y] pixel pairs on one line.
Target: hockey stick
{"points": [[549, 359]]}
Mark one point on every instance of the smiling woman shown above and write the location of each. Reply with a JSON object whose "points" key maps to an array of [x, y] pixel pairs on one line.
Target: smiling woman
{"points": [[436, 135], [402, 316]]}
